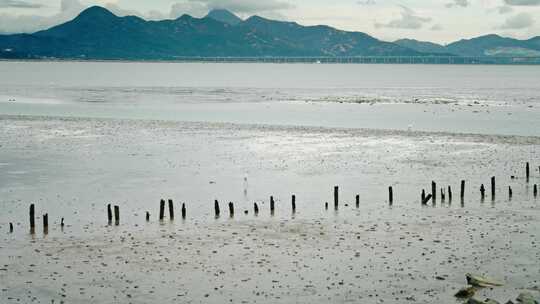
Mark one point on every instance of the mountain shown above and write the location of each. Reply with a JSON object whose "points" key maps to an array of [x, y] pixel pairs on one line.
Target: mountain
{"points": [[488, 45], [495, 45], [224, 16], [422, 46], [96, 33]]}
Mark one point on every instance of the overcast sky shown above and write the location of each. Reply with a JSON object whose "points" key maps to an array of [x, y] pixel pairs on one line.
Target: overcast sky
{"points": [[440, 21]]}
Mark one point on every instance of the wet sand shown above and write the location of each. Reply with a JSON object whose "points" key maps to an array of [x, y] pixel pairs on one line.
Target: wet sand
{"points": [[73, 167]]}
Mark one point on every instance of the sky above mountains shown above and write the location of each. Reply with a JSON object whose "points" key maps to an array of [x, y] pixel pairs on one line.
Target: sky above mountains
{"points": [[441, 21]]}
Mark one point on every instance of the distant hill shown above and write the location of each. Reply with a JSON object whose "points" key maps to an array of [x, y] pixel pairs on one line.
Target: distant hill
{"points": [[98, 34], [422, 46], [489, 45]]}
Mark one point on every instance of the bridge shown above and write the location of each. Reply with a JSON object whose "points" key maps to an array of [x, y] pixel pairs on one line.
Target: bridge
{"points": [[373, 60]]}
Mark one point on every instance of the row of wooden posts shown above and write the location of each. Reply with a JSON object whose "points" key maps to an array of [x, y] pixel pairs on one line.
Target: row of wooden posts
{"points": [[424, 200]]}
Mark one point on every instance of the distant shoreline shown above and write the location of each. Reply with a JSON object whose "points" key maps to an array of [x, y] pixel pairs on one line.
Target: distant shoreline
{"points": [[430, 60]]}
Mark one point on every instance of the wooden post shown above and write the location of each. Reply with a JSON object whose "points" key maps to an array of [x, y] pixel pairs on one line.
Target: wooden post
{"points": [[326, 206], [493, 188], [32, 219], [423, 197], [10, 227], [426, 199], [434, 192], [116, 215], [390, 196], [483, 191], [462, 190], [184, 211], [336, 197], [109, 213], [443, 195], [231, 209], [293, 202], [255, 209], [272, 205], [46, 223], [216, 208], [147, 216], [357, 201], [62, 223], [527, 173], [171, 209], [509, 193], [161, 209], [449, 194], [535, 190]]}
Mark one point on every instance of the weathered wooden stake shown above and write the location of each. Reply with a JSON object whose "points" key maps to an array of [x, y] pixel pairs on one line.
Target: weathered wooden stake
{"points": [[449, 194], [426, 199], [509, 193], [161, 209], [423, 196], [390, 196], [256, 209], [336, 197], [231, 209], [109, 214], [527, 173], [46, 223], [62, 223], [147, 216], [483, 191], [434, 192], [326, 206], [293, 202], [535, 190], [116, 215], [10, 227], [443, 195], [493, 188], [171, 209], [184, 211], [357, 201], [272, 205], [216, 208], [32, 219], [462, 194]]}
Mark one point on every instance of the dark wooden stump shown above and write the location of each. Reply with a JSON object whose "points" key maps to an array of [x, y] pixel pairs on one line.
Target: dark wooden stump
{"points": [[293, 203], [109, 214], [336, 197], [449, 194], [326, 206], [426, 199], [434, 192], [483, 192], [216, 208], [443, 196], [357, 201], [231, 209], [32, 218], [171, 209], [462, 194], [255, 209], [46, 223], [116, 215], [10, 227], [493, 188], [423, 197], [272, 205], [527, 172], [535, 190], [184, 211], [390, 196], [62, 223], [161, 209], [147, 216], [509, 193]]}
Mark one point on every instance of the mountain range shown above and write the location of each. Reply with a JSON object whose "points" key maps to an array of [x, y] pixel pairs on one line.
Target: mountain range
{"points": [[96, 33]]}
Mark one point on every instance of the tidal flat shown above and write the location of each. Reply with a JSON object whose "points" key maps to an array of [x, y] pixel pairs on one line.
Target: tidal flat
{"points": [[72, 168]]}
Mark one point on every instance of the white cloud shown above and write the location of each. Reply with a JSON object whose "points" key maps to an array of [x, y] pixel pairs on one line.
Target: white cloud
{"points": [[522, 2], [19, 4], [408, 20], [519, 21]]}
